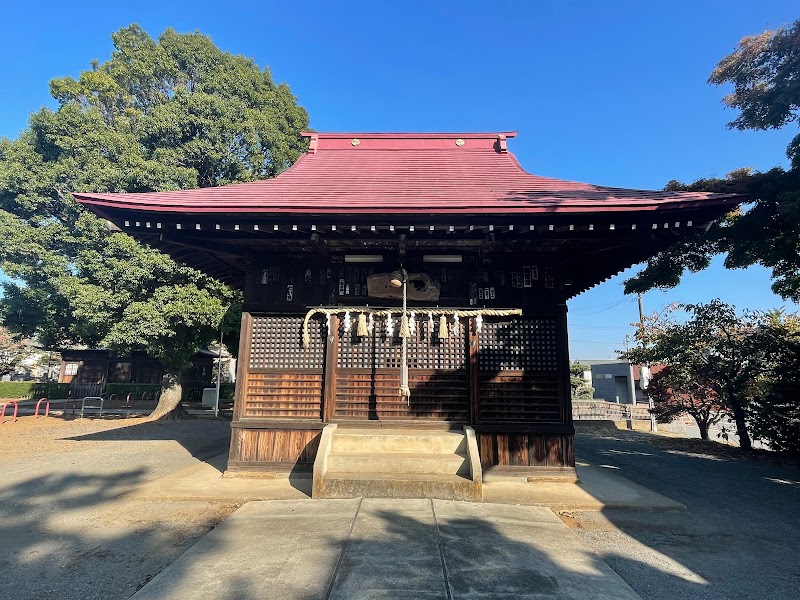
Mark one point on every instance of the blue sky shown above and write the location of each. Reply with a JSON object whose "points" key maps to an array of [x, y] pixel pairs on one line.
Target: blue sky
{"points": [[610, 93]]}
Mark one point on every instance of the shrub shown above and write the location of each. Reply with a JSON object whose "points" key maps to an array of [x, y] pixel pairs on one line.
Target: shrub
{"points": [[33, 389]]}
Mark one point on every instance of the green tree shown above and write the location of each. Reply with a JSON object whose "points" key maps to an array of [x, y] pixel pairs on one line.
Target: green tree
{"points": [[765, 73], [577, 383], [163, 114], [774, 413], [728, 354]]}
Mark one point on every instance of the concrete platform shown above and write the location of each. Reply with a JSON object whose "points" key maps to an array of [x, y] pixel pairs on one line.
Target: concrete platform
{"points": [[599, 489], [375, 549]]}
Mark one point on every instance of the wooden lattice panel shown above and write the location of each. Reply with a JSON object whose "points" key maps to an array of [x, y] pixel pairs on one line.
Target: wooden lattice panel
{"points": [[277, 343], [435, 395], [283, 394], [425, 349], [518, 345], [518, 397]]}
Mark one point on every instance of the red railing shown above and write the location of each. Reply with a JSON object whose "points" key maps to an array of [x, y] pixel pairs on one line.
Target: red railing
{"points": [[3, 411], [46, 407]]}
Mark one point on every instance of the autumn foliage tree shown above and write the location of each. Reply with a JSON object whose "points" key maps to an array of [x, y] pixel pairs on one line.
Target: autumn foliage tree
{"points": [[676, 391], [171, 113], [732, 360], [715, 346]]}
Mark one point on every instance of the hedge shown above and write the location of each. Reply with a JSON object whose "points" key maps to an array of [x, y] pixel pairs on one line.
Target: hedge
{"points": [[33, 389]]}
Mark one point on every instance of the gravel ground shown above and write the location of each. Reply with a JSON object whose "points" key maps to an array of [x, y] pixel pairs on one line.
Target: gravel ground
{"points": [[740, 534], [66, 529]]}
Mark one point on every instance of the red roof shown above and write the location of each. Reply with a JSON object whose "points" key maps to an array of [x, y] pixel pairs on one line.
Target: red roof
{"points": [[406, 173]]}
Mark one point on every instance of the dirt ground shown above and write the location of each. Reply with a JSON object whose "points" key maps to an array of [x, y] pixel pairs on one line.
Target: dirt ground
{"points": [[66, 528]]}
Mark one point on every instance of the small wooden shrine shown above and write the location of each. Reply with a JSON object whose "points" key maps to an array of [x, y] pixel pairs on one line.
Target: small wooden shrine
{"points": [[487, 253]]}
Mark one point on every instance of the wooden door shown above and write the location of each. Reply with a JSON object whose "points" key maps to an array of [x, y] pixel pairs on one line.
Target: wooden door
{"points": [[367, 377]]}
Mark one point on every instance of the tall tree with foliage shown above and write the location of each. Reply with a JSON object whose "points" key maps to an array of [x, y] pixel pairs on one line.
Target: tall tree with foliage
{"points": [[764, 70], [774, 413], [171, 113], [676, 390], [730, 354]]}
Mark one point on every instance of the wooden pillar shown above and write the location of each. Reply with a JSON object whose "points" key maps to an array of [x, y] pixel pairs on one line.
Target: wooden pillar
{"points": [[331, 362], [242, 367], [472, 372], [562, 364]]}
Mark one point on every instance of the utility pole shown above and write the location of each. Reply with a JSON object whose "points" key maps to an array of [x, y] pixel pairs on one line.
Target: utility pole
{"points": [[644, 370]]}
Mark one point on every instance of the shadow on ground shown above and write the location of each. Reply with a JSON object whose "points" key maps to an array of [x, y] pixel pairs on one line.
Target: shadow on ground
{"points": [[739, 536], [372, 549], [66, 532], [202, 438]]}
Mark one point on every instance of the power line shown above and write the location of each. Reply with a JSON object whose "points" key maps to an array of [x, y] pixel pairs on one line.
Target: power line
{"points": [[604, 310]]}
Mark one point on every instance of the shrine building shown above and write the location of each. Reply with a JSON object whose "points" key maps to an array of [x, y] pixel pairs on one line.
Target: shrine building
{"points": [[472, 377]]}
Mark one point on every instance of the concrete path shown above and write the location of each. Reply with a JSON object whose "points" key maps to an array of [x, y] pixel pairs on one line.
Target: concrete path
{"points": [[375, 549], [600, 488]]}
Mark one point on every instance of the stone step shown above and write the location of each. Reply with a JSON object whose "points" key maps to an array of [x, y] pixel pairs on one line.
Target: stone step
{"points": [[398, 463], [384, 485], [416, 441]]}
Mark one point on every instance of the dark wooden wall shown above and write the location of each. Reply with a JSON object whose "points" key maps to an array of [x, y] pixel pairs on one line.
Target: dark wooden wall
{"points": [[367, 374], [253, 449], [510, 380], [526, 449]]}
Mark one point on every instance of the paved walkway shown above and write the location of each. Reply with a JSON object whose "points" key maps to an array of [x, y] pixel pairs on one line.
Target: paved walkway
{"points": [[600, 488], [375, 549]]}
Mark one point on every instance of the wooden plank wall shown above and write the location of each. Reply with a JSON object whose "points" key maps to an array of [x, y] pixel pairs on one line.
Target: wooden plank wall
{"points": [[283, 379], [283, 394], [519, 397], [435, 395], [526, 449], [273, 446]]}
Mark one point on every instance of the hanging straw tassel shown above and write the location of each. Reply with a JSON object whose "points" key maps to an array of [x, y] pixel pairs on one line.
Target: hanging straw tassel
{"points": [[362, 326], [442, 327], [405, 332], [389, 325], [404, 391]]}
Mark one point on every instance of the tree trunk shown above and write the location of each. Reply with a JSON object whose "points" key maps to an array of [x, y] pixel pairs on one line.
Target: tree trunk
{"points": [[741, 425], [702, 424], [169, 403]]}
